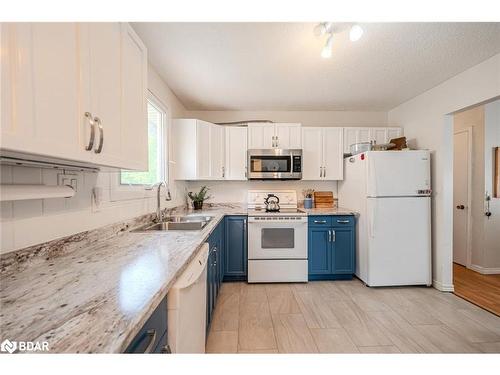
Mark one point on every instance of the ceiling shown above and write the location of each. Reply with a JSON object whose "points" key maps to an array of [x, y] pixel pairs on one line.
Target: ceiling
{"points": [[277, 66]]}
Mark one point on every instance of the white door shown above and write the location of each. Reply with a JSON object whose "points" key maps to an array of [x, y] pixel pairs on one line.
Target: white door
{"points": [[392, 174], [134, 128], [379, 135], [312, 153], [217, 152], [260, 136], [288, 136], [461, 162], [236, 153], [399, 241], [41, 108], [350, 135], [103, 44], [394, 133], [203, 150], [363, 135], [333, 157]]}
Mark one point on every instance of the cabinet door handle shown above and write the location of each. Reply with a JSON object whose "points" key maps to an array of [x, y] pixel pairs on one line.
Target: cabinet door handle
{"points": [[329, 236], [223, 172], [101, 135], [319, 221], [333, 236], [324, 171], [343, 221], [90, 118], [151, 333], [277, 141]]}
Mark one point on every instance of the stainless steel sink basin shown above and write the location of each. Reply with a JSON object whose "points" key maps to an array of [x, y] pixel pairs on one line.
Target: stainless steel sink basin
{"points": [[177, 223]]}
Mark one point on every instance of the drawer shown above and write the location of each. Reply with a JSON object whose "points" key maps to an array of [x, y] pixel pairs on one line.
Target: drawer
{"points": [[154, 329], [345, 220], [320, 221]]}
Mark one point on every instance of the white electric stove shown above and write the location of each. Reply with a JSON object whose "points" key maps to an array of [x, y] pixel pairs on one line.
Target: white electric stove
{"points": [[277, 241]]}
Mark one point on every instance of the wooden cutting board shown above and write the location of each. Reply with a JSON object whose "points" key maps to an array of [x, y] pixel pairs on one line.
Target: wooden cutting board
{"points": [[323, 199]]}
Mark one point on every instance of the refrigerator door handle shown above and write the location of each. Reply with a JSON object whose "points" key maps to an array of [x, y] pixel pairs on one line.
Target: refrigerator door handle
{"points": [[371, 223]]}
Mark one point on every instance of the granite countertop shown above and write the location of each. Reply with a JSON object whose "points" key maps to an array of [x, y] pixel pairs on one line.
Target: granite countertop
{"points": [[97, 297], [93, 291], [328, 211]]}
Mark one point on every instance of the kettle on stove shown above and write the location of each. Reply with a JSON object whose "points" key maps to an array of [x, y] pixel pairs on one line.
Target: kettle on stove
{"points": [[272, 203]]}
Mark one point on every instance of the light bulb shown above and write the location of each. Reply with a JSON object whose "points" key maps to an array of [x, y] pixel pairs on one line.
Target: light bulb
{"points": [[326, 52], [355, 33]]}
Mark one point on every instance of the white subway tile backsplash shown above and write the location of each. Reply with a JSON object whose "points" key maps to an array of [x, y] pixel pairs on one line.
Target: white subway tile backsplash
{"points": [[26, 175], [6, 210], [26, 223], [27, 209], [5, 174]]}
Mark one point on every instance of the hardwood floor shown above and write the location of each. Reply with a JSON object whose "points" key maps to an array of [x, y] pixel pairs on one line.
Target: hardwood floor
{"points": [[482, 290], [347, 317]]}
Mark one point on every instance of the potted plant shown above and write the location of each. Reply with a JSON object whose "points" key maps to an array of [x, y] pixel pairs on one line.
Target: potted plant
{"points": [[308, 197], [199, 197]]}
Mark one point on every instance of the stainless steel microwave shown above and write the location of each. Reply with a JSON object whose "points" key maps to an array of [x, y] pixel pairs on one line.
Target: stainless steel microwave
{"points": [[274, 164]]}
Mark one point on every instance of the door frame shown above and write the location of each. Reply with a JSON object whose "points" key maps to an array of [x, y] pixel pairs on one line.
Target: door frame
{"points": [[468, 250]]}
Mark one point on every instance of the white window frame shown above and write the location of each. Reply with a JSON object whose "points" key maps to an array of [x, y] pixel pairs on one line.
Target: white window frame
{"points": [[119, 191]]}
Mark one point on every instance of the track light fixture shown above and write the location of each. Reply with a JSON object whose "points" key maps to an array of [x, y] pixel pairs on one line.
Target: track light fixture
{"points": [[326, 28]]}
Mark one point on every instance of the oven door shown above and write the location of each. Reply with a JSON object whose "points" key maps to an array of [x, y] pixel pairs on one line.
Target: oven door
{"points": [[277, 238]]}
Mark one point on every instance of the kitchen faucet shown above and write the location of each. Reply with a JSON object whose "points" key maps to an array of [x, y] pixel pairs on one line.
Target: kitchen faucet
{"points": [[159, 213]]}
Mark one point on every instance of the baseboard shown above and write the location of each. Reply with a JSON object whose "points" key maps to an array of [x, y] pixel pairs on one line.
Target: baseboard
{"points": [[485, 270], [443, 287]]}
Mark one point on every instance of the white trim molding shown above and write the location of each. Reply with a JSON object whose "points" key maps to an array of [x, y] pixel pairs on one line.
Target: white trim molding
{"points": [[443, 287], [485, 270]]}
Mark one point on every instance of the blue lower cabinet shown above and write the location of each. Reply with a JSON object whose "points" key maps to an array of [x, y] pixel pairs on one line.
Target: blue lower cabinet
{"points": [[319, 251], [152, 337], [331, 247], [343, 251], [214, 269], [235, 248]]}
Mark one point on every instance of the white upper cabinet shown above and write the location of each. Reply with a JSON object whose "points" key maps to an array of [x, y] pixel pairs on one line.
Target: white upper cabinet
{"points": [[261, 136], [217, 146], [333, 156], [288, 136], [312, 153], [199, 150], [322, 153], [379, 135], [41, 90], [75, 92], [236, 153], [282, 135]]}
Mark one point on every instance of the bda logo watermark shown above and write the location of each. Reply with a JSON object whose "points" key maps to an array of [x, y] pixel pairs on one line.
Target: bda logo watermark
{"points": [[8, 346], [23, 346]]}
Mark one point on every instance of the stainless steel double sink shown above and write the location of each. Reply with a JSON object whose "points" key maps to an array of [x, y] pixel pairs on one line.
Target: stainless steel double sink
{"points": [[187, 222]]}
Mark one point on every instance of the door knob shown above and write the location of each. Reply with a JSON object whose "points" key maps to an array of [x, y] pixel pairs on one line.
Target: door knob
{"points": [[461, 207]]}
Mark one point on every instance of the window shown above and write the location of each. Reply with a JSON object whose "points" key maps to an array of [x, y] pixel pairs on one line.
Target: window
{"points": [[156, 150]]}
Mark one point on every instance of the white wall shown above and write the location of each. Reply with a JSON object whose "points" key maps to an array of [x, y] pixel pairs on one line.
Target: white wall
{"points": [[306, 118], [424, 120], [236, 191], [491, 256], [25, 223]]}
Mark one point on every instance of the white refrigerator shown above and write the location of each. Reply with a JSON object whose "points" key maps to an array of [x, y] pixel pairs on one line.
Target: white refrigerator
{"points": [[391, 192]]}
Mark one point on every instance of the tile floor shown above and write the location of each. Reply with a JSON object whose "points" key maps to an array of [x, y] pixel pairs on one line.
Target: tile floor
{"points": [[347, 317]]}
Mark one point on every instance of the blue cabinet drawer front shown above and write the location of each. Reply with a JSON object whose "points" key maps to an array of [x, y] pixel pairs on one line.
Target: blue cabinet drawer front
{"points": [[323, 221], [155, 327], [338, 221]]}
